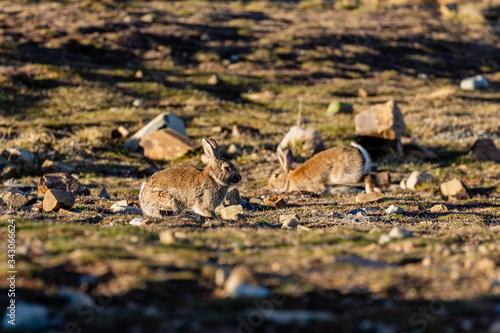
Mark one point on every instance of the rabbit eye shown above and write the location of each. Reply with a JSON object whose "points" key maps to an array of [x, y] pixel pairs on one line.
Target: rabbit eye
{"points": [[226, 168], [276, 175]]}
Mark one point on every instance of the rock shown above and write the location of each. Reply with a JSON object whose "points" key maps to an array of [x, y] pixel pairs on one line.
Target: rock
{"points": [[418, 178], [231, 212], [438, 209], [494, 327], [127, 210], [148, 18], [239, 131], [339, 107], [393, 209], [49, 166], [289, 216], [139, 75], [167, 237], [234, 150], [290, 223], [367, 92], [302, 140], [400, 233], [166, 144], [486, 264], [485, 150], [121, 203], [384, 239], [384, 179], [55, 199], [34, 208], [384, 121], [260, 97], [16, 199], [369, 197], [256, 201], [30, 317], [214, 80], [138, 102], [402, 184], [61, 181], [448, 9], [138, 221], [104, 194], [275, 201], [356, 215], [233, 197], [241, 283], [21, 154], [164, 120], [477, 82], [8, 171], [454, 188], [120, 133]]}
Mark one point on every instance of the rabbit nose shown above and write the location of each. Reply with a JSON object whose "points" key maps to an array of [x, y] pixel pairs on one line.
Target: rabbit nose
{"points": [[236, 178]]}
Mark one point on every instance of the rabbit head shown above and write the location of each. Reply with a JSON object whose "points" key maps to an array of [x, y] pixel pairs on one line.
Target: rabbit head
{"points": [[280, 177], [220, 170]]}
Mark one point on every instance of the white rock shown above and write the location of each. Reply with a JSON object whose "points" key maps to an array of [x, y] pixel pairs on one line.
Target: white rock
{"points": [[393, 209], [138, 221], [384, 239], [477, 82], [398, 232]]}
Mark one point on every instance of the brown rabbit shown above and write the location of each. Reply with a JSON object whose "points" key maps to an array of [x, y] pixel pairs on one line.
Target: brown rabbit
{"points": [[335, 166], [177, 188]]}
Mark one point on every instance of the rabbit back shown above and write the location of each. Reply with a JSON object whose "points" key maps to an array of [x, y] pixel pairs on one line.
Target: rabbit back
{"points": [[178, 188], [335, 166]]}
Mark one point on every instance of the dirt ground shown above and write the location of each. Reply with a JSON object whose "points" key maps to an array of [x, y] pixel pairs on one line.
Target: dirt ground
{"points": [[71, 72]]}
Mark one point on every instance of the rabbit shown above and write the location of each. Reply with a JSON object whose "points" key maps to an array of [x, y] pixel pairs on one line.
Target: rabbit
{"points": [[178, 188], [335, 166]]}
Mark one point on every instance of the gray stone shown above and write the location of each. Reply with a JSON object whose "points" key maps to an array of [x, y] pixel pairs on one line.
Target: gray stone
{"points": [[31, 317], [302, 140], [384, 239], [393, 209], [148, 18], [138, 102], [21, 154], [485, 150], [164, 120], [49, 166], [104, 194], [138, 221], [233, 197], [477, 82], [400, 233], [127, 210], [8, 171], [16, 199]]}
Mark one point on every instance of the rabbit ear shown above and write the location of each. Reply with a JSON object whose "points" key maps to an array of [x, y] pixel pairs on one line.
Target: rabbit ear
{"points": [[215, 147], [211, 151], [285, 160]]}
